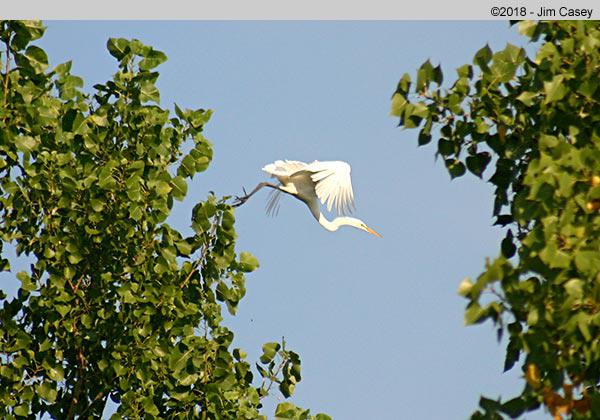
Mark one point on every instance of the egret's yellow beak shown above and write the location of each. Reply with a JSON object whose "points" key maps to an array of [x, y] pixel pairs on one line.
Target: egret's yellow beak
{"points": [[373, 232]]}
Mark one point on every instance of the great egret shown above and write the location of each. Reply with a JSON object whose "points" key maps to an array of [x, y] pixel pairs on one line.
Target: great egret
{"points": [[329, 182]]}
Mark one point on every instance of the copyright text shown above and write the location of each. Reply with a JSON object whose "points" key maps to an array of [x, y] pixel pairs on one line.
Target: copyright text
{"points": [[542, 12]]}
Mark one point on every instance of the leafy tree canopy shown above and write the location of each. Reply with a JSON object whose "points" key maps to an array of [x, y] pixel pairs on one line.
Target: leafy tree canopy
{"points": [[117, 304], [534, 124]]}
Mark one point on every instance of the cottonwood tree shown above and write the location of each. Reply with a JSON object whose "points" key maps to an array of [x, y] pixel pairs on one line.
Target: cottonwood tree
{"points": [[534, 123], [116, 303]]}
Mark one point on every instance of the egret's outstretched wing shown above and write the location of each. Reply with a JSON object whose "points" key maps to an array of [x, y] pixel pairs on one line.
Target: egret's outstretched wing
{"points": [[333, 185], [284, 167]]}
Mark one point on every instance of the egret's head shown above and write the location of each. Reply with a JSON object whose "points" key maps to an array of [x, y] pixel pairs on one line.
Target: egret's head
{"points": [[368, 229], [357, 223]]}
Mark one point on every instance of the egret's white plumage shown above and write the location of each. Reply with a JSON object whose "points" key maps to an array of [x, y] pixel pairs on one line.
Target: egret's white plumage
{"points": [[328, 182]]}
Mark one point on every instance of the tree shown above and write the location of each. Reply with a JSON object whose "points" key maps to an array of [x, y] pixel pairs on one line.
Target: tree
{"points": [[117, 303], [535, 123]]}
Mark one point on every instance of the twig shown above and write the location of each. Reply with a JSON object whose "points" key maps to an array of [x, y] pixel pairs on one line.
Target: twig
{"points": [[96, 398], [76, 287], [281, 365], [78, 385], [6, 43], [201, 258], [189, 276]]}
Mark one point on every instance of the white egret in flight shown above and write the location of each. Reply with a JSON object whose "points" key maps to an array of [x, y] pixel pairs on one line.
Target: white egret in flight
{"points": [[329, 182]]}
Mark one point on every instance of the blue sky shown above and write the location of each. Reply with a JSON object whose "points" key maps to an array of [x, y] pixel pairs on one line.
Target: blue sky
{"points": [[377, 322]]}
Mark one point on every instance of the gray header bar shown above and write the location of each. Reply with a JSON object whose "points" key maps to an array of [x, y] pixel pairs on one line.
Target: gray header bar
{"points": [[303, 9]]}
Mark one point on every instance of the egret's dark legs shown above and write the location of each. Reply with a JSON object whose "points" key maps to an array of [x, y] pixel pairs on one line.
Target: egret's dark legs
{"points": [[241, 200]]}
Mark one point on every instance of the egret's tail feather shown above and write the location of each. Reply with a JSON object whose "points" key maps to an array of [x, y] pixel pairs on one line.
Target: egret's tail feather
{"points": [[273, 203]]}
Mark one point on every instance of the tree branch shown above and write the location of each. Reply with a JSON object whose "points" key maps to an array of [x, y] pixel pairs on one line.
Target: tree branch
{"points": [[78, 385], [211, 236], [7, 44]]}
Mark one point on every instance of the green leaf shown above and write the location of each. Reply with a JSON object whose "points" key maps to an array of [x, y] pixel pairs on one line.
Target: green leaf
{"points": [[287, 410], [133, 188], [149, 406], [239, 354], [63, 68], [97, 205], [438, 75], [163, 188], [26, 282], [202, 155], [587, 262], [478, 162], [21, 410], [588, 88], [136, 212], [483, 56], [398, 105], [179, 187], [269, 352], [527, 28], [198, 118], [527, 98], [574, 288], [149, 92], [508, 247], [69, 87], [287, 389], [446, 147], [184, 247], [56, 373], [105, 178], [554, 257], [455, 167], [403, 85], [513, 351], [178, 360], [153, 59], [26, 143], [99, 120], [33, 28], [419, 110], [505, 62], [583, 326], [37, 58], [548, 142], [555, 90], [47, 392], [188, 380], [424, 76], [118, 47], [465, 71], [63, 310], [474, 314], [424, 138], [188, 166], [248, 262]]}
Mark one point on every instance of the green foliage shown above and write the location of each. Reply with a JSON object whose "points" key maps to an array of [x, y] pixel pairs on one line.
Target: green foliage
{"points": [[117, 303], [532, 124]]}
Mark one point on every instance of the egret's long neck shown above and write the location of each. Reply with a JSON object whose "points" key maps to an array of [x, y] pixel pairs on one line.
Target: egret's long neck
{"points": [[330, 226], [337, 222]]}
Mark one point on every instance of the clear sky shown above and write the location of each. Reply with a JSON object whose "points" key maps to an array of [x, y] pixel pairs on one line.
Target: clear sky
{"points": [[377, 322]]}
